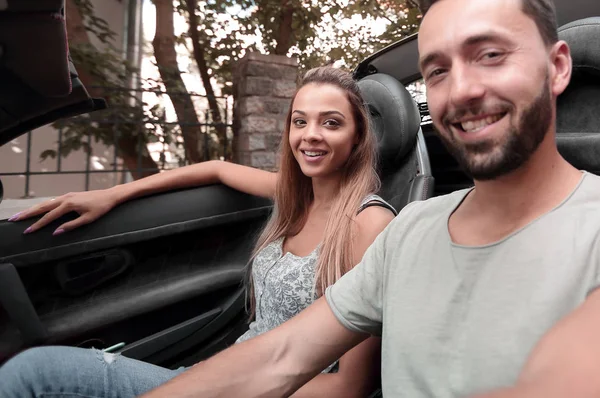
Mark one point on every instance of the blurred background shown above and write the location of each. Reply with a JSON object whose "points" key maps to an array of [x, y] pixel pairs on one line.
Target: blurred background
{"points": [[189, 81]]}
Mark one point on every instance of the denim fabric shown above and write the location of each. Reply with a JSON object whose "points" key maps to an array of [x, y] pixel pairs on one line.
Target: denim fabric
{"points": [[77, 372]]}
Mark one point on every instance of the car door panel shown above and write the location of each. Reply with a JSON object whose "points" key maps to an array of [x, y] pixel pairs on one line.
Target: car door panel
{"points": [[137, 220], [162, 274]]}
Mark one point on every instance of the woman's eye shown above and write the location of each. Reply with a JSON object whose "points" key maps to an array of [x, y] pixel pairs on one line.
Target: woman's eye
{"points": [[298, 122], [331, 123]]}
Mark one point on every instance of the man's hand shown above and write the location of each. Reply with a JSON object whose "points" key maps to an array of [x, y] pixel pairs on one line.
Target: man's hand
{"points": [[274, 364]]}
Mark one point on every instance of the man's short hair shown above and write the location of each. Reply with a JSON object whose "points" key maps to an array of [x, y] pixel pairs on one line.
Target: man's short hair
{"points": [[542, 12]]}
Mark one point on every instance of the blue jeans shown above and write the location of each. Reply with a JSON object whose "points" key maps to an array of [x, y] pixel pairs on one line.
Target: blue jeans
{"points": [[78, 372]]}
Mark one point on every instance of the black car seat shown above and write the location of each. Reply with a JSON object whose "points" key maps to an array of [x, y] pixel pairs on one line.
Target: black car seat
{"points": [[578, 111], [30, 99], [403, 160]]}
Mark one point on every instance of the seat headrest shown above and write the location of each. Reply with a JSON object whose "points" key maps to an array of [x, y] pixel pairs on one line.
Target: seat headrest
{"points": [[582, 37], [395, 117], [578, 109]]}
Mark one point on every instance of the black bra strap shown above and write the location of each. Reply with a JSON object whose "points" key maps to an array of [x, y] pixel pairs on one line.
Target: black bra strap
{"points": [[376, 201]]}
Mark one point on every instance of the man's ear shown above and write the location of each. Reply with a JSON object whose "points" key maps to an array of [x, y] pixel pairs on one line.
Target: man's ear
{"points": [[561, 66]]}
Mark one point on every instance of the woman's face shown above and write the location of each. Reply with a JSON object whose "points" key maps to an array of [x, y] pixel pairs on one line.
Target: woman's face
{"points": [[322, 130]]}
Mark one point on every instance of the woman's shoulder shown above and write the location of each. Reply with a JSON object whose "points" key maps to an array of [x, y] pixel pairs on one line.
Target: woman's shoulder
{"points": [[374, 218], [374, 215], [369, 224]]}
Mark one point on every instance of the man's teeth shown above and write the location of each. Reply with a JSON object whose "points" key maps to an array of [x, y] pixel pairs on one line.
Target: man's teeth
{"points": [[473, 126], [309, 153]]}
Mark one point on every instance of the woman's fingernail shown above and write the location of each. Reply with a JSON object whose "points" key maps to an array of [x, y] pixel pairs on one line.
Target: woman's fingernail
{"points": [[28, 230], [15, 217], [58, 232]]}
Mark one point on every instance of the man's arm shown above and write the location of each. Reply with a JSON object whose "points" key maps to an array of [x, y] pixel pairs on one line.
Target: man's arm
{"points": [[566, 361], [274, 364]]}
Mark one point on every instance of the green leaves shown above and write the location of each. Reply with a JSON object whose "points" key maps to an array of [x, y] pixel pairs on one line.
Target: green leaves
{"points": [[94, 25], [319, 32], [106, 73]]}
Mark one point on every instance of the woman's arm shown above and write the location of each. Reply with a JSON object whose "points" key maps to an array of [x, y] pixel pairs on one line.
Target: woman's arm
{"points": [[358, 375], [92, 205], [359, 368], [242, 178]]}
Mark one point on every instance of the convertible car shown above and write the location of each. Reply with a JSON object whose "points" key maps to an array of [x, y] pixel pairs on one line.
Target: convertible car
{"points": [[160, 278]]}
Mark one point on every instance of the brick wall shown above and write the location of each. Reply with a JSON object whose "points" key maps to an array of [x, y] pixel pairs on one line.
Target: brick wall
{"points": [[263, 88]]}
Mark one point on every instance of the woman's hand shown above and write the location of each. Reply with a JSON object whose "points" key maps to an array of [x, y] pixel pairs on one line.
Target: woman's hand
{"points": [[89, 205]]}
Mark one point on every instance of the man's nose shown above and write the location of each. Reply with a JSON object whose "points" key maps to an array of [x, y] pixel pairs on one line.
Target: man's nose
{"points": [[466, 86]]}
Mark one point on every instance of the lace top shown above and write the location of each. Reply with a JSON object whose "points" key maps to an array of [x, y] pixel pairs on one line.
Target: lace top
{"points": [[284, 284]]}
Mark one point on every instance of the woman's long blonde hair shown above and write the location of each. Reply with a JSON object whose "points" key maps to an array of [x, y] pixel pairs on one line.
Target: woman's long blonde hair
{"points": [[294, 194]]}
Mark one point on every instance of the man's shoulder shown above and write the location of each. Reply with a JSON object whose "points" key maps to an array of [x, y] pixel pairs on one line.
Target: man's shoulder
{"points": [[591, 184], [429, 210], [442, 203], [586, 195]]}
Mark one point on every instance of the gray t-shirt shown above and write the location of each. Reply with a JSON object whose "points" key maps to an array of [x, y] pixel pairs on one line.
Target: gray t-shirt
{"points": [[459, 320]]}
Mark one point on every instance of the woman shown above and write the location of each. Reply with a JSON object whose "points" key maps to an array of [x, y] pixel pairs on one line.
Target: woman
{"points": [[325, 217]]}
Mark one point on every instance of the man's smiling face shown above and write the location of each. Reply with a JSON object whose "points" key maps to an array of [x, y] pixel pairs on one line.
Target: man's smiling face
{"points": [[487, 72]]}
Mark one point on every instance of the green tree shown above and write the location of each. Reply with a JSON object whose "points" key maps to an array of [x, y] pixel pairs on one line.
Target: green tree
{"points": [[401, 18], [308, 29], [200, 23], [105, 74], [166, 60], [219, 33], [129, 124]]}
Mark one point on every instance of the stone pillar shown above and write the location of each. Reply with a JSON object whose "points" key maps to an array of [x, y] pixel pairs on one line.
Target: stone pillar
{"points": [[263, 88]]}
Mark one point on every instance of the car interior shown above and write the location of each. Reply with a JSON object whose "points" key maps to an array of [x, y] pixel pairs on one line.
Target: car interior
{"points": [[29, 99], [578, 112], [404, 166], [161, 278]]}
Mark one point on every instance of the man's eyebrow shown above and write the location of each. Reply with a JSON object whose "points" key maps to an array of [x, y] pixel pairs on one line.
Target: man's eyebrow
{"points": [[469, 42], [325, 113], [483, 38], [429, 59]]}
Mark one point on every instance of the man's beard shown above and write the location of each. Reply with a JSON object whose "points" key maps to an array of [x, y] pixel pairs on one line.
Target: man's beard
{"points": [[519, 143]]}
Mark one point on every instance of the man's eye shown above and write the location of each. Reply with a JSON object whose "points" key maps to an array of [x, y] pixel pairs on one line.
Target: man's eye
{"points": [[491, 55], [435, 73]]}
